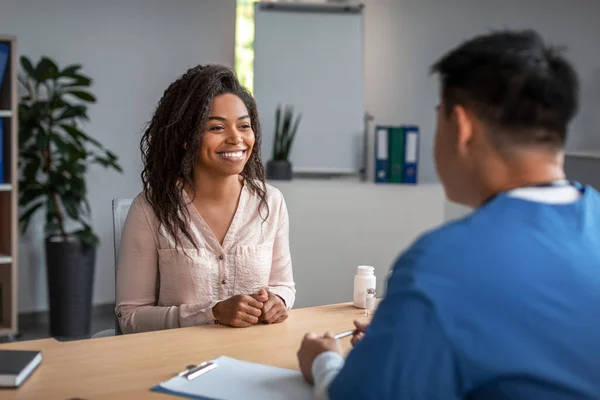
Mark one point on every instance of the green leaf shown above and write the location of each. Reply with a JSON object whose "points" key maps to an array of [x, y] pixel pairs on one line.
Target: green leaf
{"points": [[70, 69], [25, 218], [46, 69], [76, 133], [111, 155], [27, 66], [61, 145], [88, 209], [283, 133], [70, 150], [87, 237], [85, 96], [31, 169], [103, 161], [42, 140], [288, 145], [78, 187], [78, 111], [85, 80], [71, 206], [111, 160], [80, 81], [277, 134], [57, 102]]}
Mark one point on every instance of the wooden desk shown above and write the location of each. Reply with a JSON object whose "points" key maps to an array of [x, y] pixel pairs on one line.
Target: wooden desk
{"points": [[126, 367]]}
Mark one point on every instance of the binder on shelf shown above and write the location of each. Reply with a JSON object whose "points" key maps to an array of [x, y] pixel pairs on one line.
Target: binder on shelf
{"points": [[381, 154], [1, 151], [411, 153], [4, 54], [396, 154]]}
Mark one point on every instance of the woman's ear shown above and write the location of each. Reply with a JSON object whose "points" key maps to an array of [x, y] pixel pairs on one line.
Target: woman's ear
{"points": [[185, 146]]}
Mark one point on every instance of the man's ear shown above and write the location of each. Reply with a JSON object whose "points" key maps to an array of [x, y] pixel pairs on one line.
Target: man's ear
{"points": [[464, 128]]}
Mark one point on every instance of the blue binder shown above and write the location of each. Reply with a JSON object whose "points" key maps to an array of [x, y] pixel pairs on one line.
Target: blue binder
{"points": [[411, 153], [1, 151], [381, 154], [4, 54]]}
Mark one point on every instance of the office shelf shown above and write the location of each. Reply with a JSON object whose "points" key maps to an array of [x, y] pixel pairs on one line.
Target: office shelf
{"points": [[8, 192]]}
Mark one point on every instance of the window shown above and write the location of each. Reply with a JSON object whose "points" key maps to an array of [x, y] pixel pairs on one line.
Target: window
{"points": [[244, 42]]}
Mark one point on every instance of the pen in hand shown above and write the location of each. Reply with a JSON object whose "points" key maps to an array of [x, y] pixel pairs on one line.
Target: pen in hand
{"points": [[342, 335]]}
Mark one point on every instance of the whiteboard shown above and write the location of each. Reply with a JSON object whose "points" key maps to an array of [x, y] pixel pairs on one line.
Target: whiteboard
{"points": [[311, 57]]}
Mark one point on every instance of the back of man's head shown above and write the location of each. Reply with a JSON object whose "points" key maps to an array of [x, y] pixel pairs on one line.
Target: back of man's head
{"points": [[522, 89]]}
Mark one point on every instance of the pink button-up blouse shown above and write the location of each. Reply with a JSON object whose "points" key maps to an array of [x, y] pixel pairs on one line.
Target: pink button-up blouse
{"points": [[159, 287]]}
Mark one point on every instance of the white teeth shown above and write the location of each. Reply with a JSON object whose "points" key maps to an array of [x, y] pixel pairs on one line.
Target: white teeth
{"points": [[235, 154]]}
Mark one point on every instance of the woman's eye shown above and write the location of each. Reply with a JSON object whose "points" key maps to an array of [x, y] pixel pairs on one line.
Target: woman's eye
{"points": [[246, 126], [217, 128]]}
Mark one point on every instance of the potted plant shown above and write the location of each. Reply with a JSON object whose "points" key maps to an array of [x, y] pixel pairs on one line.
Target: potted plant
{"points": [[280, 167], [55, 154]]}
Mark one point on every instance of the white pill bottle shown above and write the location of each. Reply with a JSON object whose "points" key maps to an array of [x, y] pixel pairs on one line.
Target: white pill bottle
{"points": [[363, 280]]}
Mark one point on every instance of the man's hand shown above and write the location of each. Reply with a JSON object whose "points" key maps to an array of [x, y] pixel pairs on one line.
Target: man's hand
{"points": [[274, 309], [241, 310], [312, 346], [359, 333]]}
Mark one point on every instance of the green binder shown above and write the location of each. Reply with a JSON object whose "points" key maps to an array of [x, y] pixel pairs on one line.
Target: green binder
{"points": [[396, 153]]}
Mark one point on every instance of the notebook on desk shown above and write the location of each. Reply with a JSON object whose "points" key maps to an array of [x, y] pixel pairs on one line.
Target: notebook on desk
{"points": [[16, 366], [229, 379]]}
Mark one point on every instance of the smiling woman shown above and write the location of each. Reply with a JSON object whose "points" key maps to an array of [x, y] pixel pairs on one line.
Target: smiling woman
{"points": [[207, 240]]}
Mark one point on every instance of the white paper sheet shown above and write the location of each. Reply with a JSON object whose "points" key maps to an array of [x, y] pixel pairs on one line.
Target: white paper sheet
{"points": [[234, 379]]}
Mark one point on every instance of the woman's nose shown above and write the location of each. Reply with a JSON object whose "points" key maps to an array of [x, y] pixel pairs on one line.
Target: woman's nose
{"points": [[234, 137]]}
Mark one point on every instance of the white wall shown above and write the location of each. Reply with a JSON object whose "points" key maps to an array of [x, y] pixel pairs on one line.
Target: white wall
{"points": [[584, 167], [133, 49], [404, 37], [337, 225]]}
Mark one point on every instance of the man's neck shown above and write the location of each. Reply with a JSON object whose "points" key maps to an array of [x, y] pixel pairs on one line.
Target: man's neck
{"points": [[532, 168]]}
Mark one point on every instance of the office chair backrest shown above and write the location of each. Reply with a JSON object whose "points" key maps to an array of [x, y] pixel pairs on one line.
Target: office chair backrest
{"points": [[120, 208]]}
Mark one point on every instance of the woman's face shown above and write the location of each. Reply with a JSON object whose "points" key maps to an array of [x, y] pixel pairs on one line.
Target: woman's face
{"points": [[228, 139]]}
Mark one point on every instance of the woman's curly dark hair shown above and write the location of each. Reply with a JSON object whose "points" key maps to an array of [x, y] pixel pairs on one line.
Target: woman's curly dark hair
{"points": [[171, 140]]}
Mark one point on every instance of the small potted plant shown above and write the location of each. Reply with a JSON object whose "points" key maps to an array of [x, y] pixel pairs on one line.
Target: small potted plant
{"points": [[280, 167], [55, 155]]}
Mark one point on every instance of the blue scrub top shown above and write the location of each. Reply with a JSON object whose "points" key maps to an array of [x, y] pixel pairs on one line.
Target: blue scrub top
{"points": [[503, 304]]}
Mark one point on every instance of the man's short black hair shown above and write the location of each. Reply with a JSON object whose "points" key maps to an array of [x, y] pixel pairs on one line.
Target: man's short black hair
{"points": [[523, 89]]}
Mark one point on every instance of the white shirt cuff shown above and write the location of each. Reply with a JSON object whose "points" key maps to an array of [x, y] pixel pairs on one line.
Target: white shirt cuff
{"points": [[324, 369]]}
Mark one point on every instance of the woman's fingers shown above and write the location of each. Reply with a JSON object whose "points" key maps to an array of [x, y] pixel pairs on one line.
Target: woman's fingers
{"points": [[279, 315], [248, 309], [274, 311], [242, 316], [251, 301]]}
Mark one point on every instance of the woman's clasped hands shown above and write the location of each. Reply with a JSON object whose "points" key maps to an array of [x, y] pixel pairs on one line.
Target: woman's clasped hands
{"points": [[245, 310]]}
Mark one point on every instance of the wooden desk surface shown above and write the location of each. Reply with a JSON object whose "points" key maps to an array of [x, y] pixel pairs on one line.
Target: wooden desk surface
{"points": [[126, 367]]}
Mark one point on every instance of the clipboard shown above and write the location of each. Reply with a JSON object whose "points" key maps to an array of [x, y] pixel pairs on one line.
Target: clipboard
{"points": [[226, 378]]}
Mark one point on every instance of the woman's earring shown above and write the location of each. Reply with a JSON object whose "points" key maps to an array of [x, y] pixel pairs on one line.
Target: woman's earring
{"points": [[185, 146]]}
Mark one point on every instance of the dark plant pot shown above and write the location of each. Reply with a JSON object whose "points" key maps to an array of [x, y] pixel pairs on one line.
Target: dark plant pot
{"points": [[70, 267], [279, 170]]}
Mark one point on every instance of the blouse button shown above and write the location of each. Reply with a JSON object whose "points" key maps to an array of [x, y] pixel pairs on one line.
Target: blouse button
{"points": [[119, 315], [221, 257], [224, 281]]}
